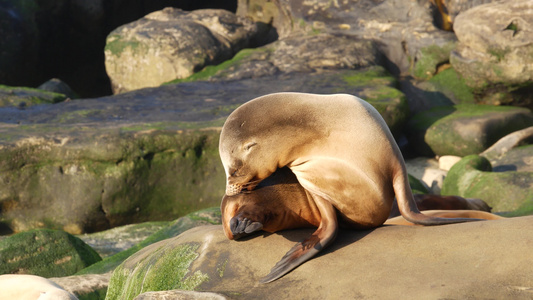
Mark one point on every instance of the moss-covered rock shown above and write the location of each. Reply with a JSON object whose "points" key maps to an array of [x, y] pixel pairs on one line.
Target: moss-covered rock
{"points": [[23, 97], [464, 129], [506, 192], [198, 218], [45, 253]]}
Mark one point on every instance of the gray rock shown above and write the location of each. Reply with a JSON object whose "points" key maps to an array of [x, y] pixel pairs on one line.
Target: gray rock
{"points": [[58, 86], [92, 286], [495, 50], [171, 44], [508, 142], [415, 262], [464, 129]]}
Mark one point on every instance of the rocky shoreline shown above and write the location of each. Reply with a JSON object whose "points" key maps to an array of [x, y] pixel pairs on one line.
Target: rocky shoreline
{"points": [[91, 167]]}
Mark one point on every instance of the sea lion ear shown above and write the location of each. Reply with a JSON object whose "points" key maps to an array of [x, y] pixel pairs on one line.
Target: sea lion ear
{"points": [[249, 146]]}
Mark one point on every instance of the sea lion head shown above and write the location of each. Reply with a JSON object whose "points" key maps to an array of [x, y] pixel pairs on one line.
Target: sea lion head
{"points": [[241, 217]]}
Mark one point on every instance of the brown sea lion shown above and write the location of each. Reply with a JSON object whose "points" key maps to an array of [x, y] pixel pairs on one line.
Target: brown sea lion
{"points": [[432, 202], [342, 153], [459, 213]]}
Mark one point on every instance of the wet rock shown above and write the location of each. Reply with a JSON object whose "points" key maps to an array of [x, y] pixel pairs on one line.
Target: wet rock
{"points": [[464, 129], [495, 51], [171, 44], [204, 260], [507, 192], [45, 253]]}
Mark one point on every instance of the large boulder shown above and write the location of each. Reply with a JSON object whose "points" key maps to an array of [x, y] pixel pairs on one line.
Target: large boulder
{"points": [[45, 253], [508, 192], [495, 51], [91, 164], [404, 29], [464, 129], [173, 43], [415, 262]]}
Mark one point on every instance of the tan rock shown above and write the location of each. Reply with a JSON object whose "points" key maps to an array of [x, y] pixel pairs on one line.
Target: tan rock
{"points": [[488, 259]]}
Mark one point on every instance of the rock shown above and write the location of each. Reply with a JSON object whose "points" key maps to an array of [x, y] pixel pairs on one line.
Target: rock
{"points": [[495, 51], [428, 172], [508, 142], [506, 192], [412, 261], [444, 89], [30, 287], [517, 159], [92, 286], [23, 97], [404, 30], [55, 85], [302, 54], [172, 43], [65, 38], [446, 162], [92, 164], [118, 239], [202, 217], [464, 129], [45, 253], [179, 294]]}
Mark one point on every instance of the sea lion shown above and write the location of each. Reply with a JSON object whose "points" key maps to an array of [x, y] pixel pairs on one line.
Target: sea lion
{"points": [[341, 152], [459, 213], [438, 202]]}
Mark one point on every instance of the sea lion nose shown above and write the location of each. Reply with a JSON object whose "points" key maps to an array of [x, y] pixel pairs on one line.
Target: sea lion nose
{"points": [[243, 226]]}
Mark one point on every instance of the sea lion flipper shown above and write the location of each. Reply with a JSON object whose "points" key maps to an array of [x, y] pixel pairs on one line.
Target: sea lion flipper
{"points": [[299, 253], [303, 251]]}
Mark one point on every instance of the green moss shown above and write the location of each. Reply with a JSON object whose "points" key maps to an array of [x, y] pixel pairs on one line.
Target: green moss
{"points": [[371, 76], [201, 217], [233, 63], [510, 192], [498, 53], [24, 96], [116, 44], [449, 80], [164, 269], [43, 252], [429, 58]]}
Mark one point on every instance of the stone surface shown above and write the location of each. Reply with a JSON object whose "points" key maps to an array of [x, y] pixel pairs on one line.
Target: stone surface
{"points": [[508, 142], [495, 51], [202, 217], [30, 287], [88, 165], [45, 253], [506, 192], [470, 260], [180, 294], [22, 97], [428, 172], [464, 129], [446, 162], [173, 43], [92, 286]]}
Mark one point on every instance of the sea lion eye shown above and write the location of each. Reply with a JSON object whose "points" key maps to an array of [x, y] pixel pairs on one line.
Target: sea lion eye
{"points": [[248, 146]]}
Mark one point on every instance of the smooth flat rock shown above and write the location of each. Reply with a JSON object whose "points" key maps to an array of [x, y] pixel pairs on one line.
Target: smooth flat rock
{"points": [[488, 259]]}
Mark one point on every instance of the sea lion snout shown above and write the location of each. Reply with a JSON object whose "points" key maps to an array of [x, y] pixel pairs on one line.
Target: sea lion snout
{"points": [[241, 227], [233, 189]]}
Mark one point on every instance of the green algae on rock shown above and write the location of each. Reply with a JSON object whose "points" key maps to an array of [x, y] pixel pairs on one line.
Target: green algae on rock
{"points": [[465, 129], [46, 253], [198, 218], [24, 97], [510, 193]]}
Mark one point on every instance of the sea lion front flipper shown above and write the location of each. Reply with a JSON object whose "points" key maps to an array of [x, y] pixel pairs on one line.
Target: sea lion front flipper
{"points": [[303, 251]]}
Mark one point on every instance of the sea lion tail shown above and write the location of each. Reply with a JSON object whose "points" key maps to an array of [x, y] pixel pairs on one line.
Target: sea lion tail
{"points": [[409, 209]]}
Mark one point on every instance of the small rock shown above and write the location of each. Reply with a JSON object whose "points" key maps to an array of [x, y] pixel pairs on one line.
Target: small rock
{"points": [[446, 162], [31, 287], [55, 85]]}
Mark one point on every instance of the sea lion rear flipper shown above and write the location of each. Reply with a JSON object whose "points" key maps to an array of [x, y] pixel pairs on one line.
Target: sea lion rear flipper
{"points": [[303, 251]]}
